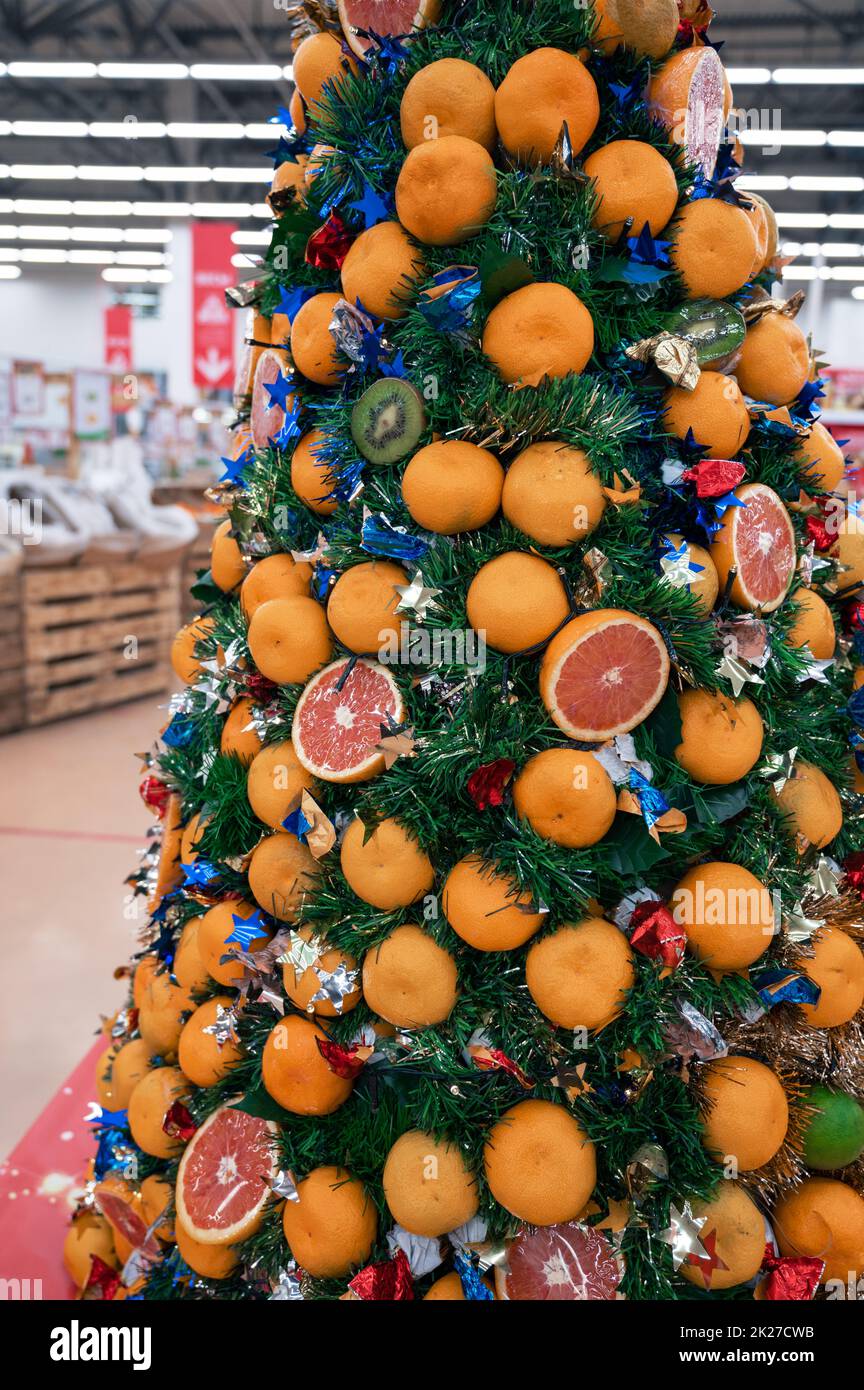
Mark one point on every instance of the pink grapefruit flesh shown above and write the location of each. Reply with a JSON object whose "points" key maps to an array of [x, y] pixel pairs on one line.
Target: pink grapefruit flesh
{"points": [[556, 1263], [266, 419], [758, 541], [383, 17], [339, 717], [222, 1187], [126, 1220], [604, 679]]}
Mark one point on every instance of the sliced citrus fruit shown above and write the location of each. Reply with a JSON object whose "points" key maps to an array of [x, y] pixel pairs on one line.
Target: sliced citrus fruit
{"points": [[603, 674], [555, 1263], [384, 17], [688, 97], [758, 542], [339, 718], [268, 416], [222, 1186], [122, 1210]]}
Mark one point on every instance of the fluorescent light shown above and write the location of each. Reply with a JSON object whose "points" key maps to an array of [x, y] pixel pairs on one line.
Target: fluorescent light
{"points": [[118, 173], [843, 272], [781, 138], [242, 238], [236, 72], [769, 183], [858, 292], [10, 233], [159, 235], [44, 233], [748, 77], [846, 221], [267, 130], [131, 129], [160, 209], [154, 71], [262, 210], [11, 272], [140, 258], [174, 173], [806, 183], [130, 277], [800, 272], [42, 171], [52, 128], [48, 254], [841, 248], [52, 69], [244, 262], [802, 219], [96, 207], [8, 254], [819, 77], [222, 210], [253, 175], [5, 127], [205, 130], [846, 139], [160, 277], [90, 257]]}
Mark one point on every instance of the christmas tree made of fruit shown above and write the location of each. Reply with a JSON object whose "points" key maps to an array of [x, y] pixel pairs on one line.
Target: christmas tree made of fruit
{"points": [[503, 932]]}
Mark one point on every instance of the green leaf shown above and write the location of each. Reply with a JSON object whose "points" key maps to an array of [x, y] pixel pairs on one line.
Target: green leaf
{"points": [[664, 724], [630, 848]]}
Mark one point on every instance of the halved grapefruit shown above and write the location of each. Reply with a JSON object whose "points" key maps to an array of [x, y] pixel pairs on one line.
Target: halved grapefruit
{"points": [[756, 540], [556, 1263], [268, 417], [339, 717], [603, 674], [384, 17], [122, 1209], [688, 95], [222, 1182]]}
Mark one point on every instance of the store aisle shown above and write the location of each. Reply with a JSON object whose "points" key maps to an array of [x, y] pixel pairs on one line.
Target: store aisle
{"points": [[71, 823]]}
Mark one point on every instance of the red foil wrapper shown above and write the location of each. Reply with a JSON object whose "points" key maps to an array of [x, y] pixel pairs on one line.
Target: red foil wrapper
{"points": [[493, 1059], [854, 866], [790, 1279], [715, 477], [327, 248], [387, 1282], [656, 934], [154, 794], [102, 1278], [178, 1123], [345, 1061], [486, 784], [817, 531], [853, 616], [260, 689]]}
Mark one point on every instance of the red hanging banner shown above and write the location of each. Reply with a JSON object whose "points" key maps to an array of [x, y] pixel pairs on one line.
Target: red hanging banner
{"points": [[118, 338], [212, 321]]}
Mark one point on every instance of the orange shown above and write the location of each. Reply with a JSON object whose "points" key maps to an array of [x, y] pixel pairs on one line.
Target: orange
{"points": [[565, 796], [276, 576], [239, 735], [382, 269], [579, 975], [409, 980], [170, 874], [608, 35], [812, 805], [149, 1103], [540, 1164], [541, 330], [713, 248], [313, 346], [290, 175], [280, 331], [739, 1227], [162, 1014], [89, 1235], [721, 738], [214, 929], [820, 460], [289, 639], [634, 183], [446, 190], [647, 26], [449, 1286], [703, 582], [849, 550], [772, 232], [603, 673], [517, 600], [541, 91], [331, 1225], [726, 913], [306, 987], [552, 494], [823, 1218], [209, 1261], [227, 565], [310, 474], [319, 60], [157, 1198], [690, 95], [715, 411], [757, 542], [129, 1063], [427, 1185], [450, 97], [746, 1112], [452, 486], [813, 626], [297, 112], [281, 872], [486, 909], [104, 1064], [189, 969], [144, 971], [187, 666], [192, 832], [837, 966], [385, 865], [775, 360], [759, 223], [362, 606], [201, 1057], [294, 1072], [275, 782]]}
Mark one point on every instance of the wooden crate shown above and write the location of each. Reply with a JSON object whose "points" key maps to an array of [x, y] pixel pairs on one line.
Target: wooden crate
{"points": [[96, 635], [12, 703]]}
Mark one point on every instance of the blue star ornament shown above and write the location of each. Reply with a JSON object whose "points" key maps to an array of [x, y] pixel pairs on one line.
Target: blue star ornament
{"points": [[246, 930]]}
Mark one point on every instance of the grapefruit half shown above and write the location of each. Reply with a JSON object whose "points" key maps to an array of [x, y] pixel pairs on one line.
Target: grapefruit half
{"points": [[384, 17], [267, 418], [338, 719], [122, 1211], [603, 674], [758, 542], [222, 1179], [688, 96], [555, 1263]]}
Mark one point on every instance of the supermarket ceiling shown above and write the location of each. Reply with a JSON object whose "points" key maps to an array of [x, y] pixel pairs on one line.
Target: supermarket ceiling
{"points": [[188, 130]]}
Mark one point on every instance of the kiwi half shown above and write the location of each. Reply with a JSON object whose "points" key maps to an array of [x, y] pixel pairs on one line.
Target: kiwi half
{"points": [[716, 330], [388, 420]]}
